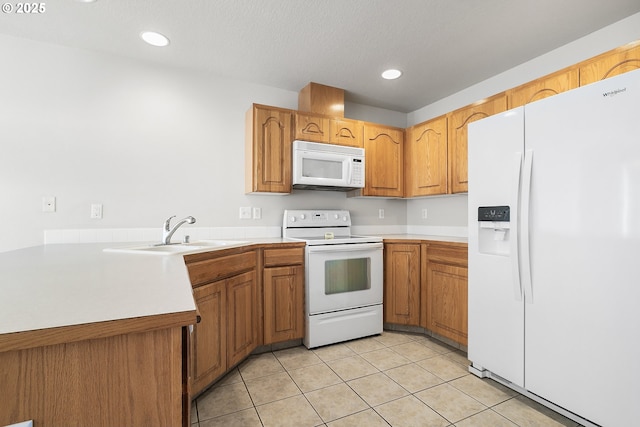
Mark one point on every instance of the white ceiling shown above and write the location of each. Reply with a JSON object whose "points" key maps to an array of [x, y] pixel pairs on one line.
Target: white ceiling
{"points": [[442, 46]]}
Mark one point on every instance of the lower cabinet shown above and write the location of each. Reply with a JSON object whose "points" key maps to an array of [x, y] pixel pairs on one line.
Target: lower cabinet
{"points": [[402, 283], [226, 295], [246, 297], [228, 328], [283, 294], [446, 292], [426, 285], [283, 304], [242, 316], [209, 336]]}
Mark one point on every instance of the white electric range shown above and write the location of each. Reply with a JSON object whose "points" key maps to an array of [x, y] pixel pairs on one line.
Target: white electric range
{"points": [[343, 276]]}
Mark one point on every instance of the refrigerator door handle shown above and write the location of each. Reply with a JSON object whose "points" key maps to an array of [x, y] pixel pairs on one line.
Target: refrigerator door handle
{"points": [[515, 257], [524, 216]]}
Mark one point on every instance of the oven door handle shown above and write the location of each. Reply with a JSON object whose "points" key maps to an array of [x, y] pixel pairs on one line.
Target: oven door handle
{"points": [[345, 247]]}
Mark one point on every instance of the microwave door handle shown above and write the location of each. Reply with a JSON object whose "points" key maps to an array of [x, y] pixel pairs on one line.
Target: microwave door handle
{"points": [[349, 172]]}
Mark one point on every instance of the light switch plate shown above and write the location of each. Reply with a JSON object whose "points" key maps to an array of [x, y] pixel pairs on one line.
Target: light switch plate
{"points": [[96, 211]]}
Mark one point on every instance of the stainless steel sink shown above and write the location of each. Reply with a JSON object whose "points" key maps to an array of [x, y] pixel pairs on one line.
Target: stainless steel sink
{"points": [[179, 248]]}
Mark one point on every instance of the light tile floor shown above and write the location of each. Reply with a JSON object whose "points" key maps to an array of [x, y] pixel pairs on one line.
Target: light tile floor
{"points": [[396, 379]]}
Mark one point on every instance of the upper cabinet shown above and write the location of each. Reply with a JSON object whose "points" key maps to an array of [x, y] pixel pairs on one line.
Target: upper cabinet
{"points": [[346, 132], [268, 137], [384, 155], [458, 121], [311, 127], [426, 158], [544, 87], [320, 99], [432, 160], [609, 64], [332, 130]]}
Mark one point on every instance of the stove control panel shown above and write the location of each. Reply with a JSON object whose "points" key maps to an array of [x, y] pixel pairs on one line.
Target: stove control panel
{"points": [[316, 218]]}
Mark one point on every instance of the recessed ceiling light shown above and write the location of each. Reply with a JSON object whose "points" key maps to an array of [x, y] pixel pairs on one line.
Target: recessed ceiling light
{"points": [[154, 39], [391, 74]]}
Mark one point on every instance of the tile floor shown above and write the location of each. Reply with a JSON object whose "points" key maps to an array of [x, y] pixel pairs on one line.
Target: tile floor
{"points": [[396, 379]]}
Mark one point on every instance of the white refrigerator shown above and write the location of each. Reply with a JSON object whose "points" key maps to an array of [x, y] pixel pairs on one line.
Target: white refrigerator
{"points": [[554, 251]]}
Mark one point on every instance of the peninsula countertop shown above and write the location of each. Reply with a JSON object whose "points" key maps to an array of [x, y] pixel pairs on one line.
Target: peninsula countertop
{"points": [[51, 292], [58, 286]]}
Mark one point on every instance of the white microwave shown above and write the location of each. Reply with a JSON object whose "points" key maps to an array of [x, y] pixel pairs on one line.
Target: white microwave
{"points": [[327, 166]]}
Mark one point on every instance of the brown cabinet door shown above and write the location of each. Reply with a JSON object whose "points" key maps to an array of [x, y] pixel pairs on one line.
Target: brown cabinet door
{"points": [[346, 132], [283, 303], [311, 127], [446, 286], [426, 158], [384, 161], [242, 316], [209, 336], [402, 284], [268, 150], [457, 134], [609, 64], [544, 87]]}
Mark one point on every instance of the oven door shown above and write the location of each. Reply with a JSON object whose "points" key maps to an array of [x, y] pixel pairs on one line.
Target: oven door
{"points": [[343, 276]]}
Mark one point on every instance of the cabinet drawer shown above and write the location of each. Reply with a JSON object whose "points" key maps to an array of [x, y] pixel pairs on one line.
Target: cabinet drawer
{"points": [[452, 255], [201, 272], [284, 256]]}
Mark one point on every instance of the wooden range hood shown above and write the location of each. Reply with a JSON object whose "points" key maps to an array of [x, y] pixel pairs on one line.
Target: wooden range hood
{"points": [[320, 99]]}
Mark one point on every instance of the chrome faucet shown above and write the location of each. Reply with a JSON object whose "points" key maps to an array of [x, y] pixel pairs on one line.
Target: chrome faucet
{"points": [[167, 230]]}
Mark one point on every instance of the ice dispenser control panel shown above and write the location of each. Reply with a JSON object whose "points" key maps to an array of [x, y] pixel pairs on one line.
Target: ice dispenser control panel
{"points": [[494, 230], [494, 213]]}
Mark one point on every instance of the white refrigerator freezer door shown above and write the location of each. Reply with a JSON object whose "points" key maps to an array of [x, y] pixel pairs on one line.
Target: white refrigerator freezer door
{"points": [[581, 347], [496, 307]]}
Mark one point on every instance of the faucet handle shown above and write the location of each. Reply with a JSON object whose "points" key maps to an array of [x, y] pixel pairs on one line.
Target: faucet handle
{"points": [[167, 223]]}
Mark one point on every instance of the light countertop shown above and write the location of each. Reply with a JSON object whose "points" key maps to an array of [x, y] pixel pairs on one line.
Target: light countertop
{"points": [[435, 238], [62, 285], [72, 284]]}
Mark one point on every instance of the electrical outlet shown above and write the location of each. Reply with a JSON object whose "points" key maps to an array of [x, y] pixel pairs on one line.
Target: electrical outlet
{"points": [[245, 212], [380, 213], [49, 204], [96, 211], [424, 213], [257, 213]]}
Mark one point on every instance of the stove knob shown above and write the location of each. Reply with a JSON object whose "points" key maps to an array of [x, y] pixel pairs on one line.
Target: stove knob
{"points": [[336, 216], [303, 216], [344, 218], [292, 219]]}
